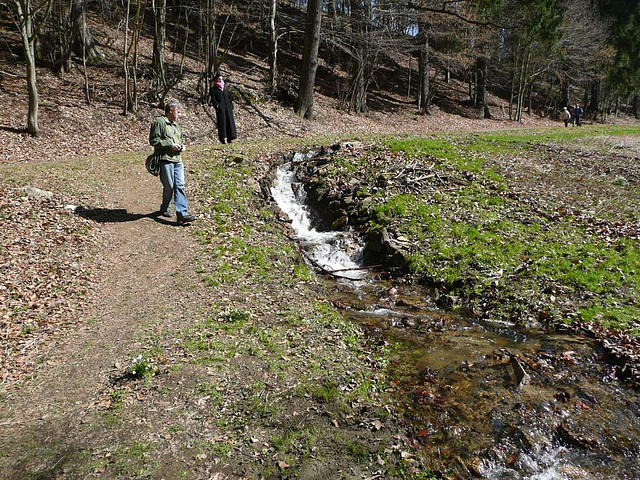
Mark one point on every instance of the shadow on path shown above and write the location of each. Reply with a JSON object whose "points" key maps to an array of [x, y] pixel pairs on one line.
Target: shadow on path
{"points": [[117, 215]]}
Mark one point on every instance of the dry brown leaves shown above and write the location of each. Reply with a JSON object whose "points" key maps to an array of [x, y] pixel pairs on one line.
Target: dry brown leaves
{"points": [[45, 284]]}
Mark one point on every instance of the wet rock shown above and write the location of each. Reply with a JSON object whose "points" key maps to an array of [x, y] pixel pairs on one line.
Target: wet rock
{"points": [[340, 223], [468, 468], [391, 247], [522, 377], [265, 188], [398, 259], [446, 302], [377, 240], [573, 439]]}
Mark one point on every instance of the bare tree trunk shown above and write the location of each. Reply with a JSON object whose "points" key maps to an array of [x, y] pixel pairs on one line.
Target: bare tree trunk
{"points": [[332, 11], [135, 40], [359, 84], [25, 12], [125, 60], [87, 93], [409, 77], [159, 39], [423, 70], [83, 40], [210, 46], [481, 91], [564, 86], [304, 103], [522, 84], [361, 66], [273, 54], [594, 106]]}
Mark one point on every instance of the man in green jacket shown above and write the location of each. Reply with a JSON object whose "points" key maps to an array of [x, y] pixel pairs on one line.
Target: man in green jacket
{"points": [[166, 138]]}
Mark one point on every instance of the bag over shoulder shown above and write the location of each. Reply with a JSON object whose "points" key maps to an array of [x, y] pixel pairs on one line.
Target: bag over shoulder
{"points": [[152, 163]]}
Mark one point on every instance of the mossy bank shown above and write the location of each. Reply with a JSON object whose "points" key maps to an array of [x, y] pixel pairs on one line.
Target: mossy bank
{"points": [[538, 229]]}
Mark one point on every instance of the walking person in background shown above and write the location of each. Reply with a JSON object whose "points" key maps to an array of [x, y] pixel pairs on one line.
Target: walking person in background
{"points": [[221, 100], [165, 136], [566, 116], [577, 114]]}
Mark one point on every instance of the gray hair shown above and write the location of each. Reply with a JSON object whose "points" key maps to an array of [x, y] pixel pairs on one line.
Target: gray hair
{"points": [[171, 105]]}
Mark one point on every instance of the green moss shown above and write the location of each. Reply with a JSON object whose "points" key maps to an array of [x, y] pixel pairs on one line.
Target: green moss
{"points": [[498, 247]]}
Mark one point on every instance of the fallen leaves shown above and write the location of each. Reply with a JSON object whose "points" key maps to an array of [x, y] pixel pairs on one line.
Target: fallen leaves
{"points": [[44, 285]]}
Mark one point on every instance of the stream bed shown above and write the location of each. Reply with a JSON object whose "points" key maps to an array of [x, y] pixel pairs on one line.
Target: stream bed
{"points": [[482, 399]]}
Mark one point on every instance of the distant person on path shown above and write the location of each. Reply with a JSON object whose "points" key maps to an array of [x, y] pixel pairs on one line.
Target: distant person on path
{"points": [[165, 136], [566, 116], [221, 100], [577, 114]]}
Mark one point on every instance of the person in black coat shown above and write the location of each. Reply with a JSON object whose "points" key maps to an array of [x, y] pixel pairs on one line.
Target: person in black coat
{"points": [[221, 100]]}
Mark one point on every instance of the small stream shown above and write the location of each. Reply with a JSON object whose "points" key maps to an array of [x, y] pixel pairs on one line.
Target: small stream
{"points": [[459, 380]]}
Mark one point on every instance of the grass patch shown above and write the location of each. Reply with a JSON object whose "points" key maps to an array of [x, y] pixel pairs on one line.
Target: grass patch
{"points": [[134, 460], [505, 257]]}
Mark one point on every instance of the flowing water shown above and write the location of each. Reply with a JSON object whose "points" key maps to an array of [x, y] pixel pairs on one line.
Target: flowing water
{"points": [[485, 398]]}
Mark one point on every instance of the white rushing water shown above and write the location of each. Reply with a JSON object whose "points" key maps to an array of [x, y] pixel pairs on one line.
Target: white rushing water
{"points": [[552, 463], [338, 252]]}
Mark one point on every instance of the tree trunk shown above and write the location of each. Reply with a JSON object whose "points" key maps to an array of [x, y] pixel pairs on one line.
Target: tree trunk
{"points": [[523, 72], [423, 70], [635, 105], [83, 40], [564, 86], [331, 10], [332, 13], [25, 23], [159, 39], [87, 93], [56, 41], [210, 35], [359, 85], [273, 54], [594, 106], [409, 77], [125, 60], [304, 103], [360, 67], [135, 40], [481, 91]]}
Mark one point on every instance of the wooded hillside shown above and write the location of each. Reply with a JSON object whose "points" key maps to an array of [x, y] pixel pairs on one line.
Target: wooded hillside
{"points": [[538, 56]]}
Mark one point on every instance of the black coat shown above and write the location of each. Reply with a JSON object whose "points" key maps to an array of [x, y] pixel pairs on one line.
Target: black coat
{"points": [[224, 113]]}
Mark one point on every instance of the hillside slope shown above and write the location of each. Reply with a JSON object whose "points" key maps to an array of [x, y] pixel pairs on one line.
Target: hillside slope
{"points": [[71, 127]]}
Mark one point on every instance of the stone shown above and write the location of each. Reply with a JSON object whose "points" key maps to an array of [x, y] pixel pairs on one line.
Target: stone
{"points": [[36, 193]]}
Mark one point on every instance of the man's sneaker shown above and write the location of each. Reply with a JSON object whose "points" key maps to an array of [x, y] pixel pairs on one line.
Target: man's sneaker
{"points": [[188, 218], [166, 214]]}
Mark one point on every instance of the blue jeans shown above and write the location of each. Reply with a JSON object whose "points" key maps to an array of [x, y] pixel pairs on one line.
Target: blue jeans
{"points": [[172, 178]]}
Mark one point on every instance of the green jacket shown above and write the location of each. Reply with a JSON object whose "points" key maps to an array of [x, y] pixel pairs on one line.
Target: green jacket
{"points": [[162, 135]]}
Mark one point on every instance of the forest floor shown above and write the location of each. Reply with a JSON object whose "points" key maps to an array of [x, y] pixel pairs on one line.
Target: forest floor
{"points": [[134, 348]]}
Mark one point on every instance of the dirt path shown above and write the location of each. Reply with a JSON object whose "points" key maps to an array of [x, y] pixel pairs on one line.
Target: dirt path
{"points": [[146, 284]]}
